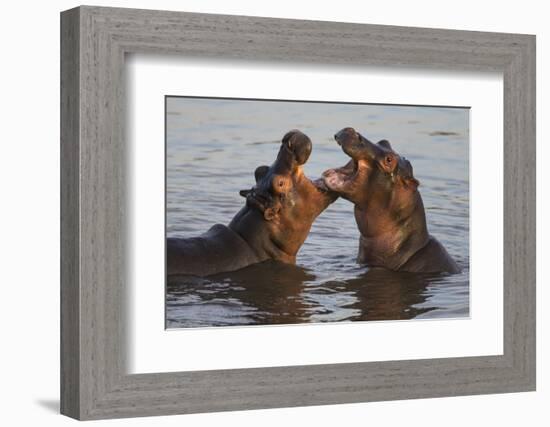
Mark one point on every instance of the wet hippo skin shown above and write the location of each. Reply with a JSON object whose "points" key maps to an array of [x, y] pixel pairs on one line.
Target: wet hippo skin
{"points": [[273, 224], [388, 207]]}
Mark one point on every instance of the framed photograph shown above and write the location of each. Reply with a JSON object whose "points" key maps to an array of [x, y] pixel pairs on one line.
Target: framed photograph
{"points": [[262, 213], [301, 263]]}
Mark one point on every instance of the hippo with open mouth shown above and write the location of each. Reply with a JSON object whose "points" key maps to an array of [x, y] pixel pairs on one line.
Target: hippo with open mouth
{"points": [[273, 224], [388, 207]]}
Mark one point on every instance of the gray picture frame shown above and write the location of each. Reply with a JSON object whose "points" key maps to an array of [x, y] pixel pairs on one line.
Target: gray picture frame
{"points": [[94, 41]]}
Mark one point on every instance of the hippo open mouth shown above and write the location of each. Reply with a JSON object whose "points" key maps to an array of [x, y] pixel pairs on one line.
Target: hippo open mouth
{"points": [[340, 179], [320, 185], [357, 147], [283, 185]]}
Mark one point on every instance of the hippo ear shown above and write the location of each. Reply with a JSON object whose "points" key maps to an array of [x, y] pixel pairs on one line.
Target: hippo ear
{"points": [[299, 144], [411, 183], [271, 213], [260, 172], [385, 143]]}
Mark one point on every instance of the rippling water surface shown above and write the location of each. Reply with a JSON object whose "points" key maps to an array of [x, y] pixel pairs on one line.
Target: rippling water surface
{"points": [[213, 148]]}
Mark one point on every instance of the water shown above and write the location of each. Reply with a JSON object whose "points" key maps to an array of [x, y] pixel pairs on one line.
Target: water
{"points": [[213, 148]]}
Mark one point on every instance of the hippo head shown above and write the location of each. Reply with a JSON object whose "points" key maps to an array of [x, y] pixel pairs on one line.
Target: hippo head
{"points": [[288, 201], [389, 211], [375, 176]]}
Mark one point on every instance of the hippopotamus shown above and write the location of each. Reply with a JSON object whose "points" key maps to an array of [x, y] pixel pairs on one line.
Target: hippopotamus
{"points": [[388, 207], [274, 223]]}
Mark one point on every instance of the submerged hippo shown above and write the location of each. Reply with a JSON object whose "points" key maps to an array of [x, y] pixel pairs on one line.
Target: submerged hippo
{"points": [[388, 208], [273, 224]]}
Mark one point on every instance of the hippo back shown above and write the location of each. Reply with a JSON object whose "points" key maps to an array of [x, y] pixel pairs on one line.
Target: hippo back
{"points": [[219, 249]]}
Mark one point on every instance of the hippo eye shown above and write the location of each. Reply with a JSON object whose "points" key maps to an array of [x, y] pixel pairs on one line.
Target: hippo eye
{"points": [[389, 159], [281, 183]]}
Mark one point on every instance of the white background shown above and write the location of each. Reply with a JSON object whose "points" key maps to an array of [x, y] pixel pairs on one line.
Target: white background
{"points": [[152, 349], [29, 214]]}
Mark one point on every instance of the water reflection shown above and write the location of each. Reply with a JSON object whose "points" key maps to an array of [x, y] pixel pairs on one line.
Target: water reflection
{"points": [[269, 292], [388, 295], [277, 293]]}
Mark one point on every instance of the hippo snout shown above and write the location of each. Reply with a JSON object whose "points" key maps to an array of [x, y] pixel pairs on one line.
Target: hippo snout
{"points": [[299, 144], [356, 145], [346, 135]]}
